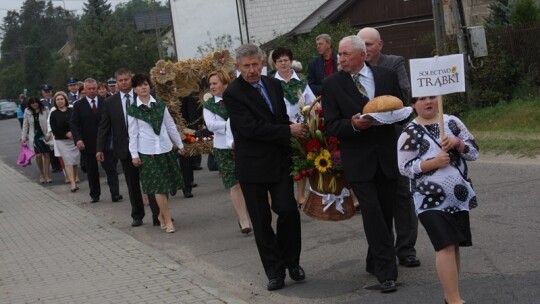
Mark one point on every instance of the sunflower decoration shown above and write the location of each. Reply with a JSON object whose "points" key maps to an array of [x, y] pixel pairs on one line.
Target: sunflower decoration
{"points": [[323, 163], [163, 72], [223, 60], [318, 154]]}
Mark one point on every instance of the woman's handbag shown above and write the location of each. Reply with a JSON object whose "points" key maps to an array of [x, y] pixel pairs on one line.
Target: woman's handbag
{"points": [[25, 156]]}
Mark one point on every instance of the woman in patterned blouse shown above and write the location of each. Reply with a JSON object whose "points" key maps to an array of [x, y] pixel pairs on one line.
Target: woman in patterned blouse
{"points": [[442, 194]]}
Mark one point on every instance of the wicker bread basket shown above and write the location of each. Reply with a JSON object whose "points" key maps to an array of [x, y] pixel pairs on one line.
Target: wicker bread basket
{"points": [[322, 184]]}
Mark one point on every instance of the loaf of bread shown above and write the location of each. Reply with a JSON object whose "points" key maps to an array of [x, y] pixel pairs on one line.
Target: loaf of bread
{"points": [[383, 103]]}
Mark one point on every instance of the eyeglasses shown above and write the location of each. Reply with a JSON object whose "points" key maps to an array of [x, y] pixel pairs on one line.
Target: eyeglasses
{"points": [[284, 60]]}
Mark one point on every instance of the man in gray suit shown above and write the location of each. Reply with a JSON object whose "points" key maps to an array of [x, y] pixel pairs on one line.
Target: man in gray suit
{"points": [[405, 220], [374, 45]]}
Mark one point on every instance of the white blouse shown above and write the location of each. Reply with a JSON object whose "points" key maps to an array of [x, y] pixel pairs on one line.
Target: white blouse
{"points": [[309, 97], [217, 125], [142, 138], [443, 189]]}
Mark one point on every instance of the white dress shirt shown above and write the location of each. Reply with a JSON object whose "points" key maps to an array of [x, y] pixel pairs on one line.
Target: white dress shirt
{"points": [[367, 80], [217, 125], [142, 138], [90, 101], [309, 97]]}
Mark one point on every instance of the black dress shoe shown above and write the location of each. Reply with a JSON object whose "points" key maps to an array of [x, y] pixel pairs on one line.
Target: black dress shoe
{"points": [[95, 199], [188, 194], [117, 198], [136, 223], [388, 286], [193, 185], [297, 273], [275, 284], [197, 168], [410, 261]]}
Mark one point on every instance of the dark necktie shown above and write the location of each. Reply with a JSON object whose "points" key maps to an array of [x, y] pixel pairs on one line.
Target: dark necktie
{"points": [[266, 99], [359, 85], [73, 97], [128, 103], [94, 108]]}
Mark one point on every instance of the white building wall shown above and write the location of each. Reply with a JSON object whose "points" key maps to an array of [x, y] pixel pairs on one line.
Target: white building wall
{"points": [[267, 19]]}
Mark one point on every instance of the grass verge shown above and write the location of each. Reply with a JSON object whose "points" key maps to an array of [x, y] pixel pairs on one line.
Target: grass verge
{"points": [[507, 128]]}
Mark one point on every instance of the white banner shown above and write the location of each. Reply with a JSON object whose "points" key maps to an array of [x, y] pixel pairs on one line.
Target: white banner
{"points": [[437, 76]]}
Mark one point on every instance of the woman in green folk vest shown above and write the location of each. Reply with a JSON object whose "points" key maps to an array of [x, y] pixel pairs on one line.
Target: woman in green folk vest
{"points": [[152, 132], [293, 86], [216, 119]]}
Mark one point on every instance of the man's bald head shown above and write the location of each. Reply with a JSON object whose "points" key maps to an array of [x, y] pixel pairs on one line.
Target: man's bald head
{"points": [[374, 44]]}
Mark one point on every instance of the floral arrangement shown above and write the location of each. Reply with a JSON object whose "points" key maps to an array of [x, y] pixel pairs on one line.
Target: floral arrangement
{"points": [[317, 154]]}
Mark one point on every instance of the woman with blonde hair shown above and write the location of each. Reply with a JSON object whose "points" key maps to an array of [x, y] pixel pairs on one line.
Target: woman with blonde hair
{"points": [[216, 119], [64, 145]]}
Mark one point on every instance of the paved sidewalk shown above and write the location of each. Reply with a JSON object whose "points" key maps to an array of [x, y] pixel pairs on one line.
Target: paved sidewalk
{"points": [[54, 252]]}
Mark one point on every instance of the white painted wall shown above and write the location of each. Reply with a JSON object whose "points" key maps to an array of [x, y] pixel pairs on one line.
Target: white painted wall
{"points": [[194, 19]]}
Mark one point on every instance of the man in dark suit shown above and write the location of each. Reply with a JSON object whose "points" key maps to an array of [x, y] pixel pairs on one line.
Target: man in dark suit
{"points": [[368, 152], [262, 134], [84, 127], [323, 65], [114, 122], [405, 219]]}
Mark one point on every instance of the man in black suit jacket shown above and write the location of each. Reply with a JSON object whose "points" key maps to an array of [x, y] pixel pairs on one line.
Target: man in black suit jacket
{"points": [[368, 152], [405, 219], [321, 66], [84, 127], [114, 120], [262, 134]]}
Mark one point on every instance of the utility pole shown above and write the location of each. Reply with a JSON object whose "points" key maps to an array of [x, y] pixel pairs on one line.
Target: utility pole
{"points": [[440, 33], [462, 40], [157, 27]]}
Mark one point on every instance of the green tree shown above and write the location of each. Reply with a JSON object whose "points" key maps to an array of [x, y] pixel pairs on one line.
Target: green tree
{"points": [[499, 14], [91, 40], [31, 37], [524, 12], [108, 40]]}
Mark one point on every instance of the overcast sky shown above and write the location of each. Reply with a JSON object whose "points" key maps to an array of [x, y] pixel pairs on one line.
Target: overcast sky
{"points": [[72, 5]]}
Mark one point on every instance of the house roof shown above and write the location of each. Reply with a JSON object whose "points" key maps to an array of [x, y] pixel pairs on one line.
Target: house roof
{"points": [[326, 11], [148, 21]]}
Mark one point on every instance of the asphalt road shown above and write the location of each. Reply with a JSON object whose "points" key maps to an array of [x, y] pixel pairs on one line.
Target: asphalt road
{"points": [[502, 266]]}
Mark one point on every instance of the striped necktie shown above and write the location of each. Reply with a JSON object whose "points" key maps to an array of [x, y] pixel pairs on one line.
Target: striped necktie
{"points": [[359, 85]]}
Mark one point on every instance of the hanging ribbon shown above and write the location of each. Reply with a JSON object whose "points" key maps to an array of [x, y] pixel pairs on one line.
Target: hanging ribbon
{"points": [[329, 199]]}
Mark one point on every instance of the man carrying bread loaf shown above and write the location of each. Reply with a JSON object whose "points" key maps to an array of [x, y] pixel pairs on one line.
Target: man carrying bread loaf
{"points": [[405, 219], [368, 149]]}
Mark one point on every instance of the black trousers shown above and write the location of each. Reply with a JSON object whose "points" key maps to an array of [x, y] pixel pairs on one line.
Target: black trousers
{"points": [[377, 199], [131, 174], [186, 166], [405, 220], [280, 249], [55, 163], [92, 171]]}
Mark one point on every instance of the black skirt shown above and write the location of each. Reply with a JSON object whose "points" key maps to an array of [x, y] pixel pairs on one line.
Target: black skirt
{"points": [[445, 229], [40, 146]]}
